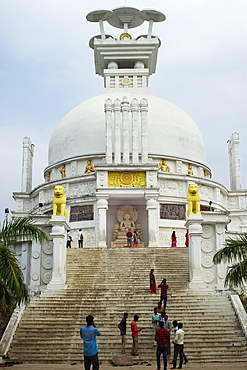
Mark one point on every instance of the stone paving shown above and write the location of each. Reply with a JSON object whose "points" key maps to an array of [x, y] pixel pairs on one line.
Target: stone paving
{"points": [[188, 366]]}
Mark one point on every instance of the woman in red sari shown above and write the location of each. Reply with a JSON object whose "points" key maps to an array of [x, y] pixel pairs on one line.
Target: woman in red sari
{"points": [[152, 281], [174, 239], [135, 240]]}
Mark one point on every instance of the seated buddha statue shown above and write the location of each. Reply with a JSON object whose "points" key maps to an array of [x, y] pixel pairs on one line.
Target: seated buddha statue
{"points": [[89, 167], [127, 223], [163, 166]]}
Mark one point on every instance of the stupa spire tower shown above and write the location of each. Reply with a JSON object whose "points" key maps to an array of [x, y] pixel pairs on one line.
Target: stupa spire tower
{"points": [[125, 62]]}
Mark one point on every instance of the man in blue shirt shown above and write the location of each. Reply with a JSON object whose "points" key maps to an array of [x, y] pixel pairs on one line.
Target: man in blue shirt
{"points": [[88, 334]]}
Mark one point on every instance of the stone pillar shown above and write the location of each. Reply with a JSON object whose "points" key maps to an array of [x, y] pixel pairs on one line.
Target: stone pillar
{"points": [[102, 206], [135, 138], [221, 268], [234, 162], [153, 228], [108, 130], [27, 165], [59, 238], [117, 127], [144, 130], [243, 225], [35, 266], [194, 225], [126, 144]]}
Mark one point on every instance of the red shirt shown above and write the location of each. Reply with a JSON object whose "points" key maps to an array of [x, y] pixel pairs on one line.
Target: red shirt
{"points": [[162, 336], [129, 234], [164, 288], [134, 329]]}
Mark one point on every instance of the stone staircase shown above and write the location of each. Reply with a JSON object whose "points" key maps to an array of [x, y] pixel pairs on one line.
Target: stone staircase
{"points": [[108, 282]]}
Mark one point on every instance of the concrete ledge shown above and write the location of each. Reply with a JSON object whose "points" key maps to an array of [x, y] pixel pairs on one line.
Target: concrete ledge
{"points": [[240, 311], [10, 329]]}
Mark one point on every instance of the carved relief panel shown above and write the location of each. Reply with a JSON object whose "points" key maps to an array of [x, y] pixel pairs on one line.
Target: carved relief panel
{"points": [[82, 213], [172, 211]]}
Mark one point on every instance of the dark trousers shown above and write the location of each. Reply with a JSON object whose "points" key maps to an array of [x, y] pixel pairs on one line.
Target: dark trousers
{"points": [[80, 243], [159, 351], [91, 360], [68, 243], [165, 300], [178, 350]]}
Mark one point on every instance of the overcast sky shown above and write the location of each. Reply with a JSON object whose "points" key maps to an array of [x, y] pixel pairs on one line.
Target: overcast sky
{"points": [[46, 69]]}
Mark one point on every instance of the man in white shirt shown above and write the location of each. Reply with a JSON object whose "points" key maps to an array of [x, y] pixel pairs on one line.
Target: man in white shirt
{"points": [[179, 341], [80, 239]]}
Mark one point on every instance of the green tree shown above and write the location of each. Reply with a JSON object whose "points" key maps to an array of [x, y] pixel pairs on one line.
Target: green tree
{"points": [[235, 254], [13, 290]]}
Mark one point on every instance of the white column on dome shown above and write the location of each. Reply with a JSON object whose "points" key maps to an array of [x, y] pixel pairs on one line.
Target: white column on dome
{"points": [[27, 165], [125, 119], [117, 127], [108, 130], [144, 129], [234, 162], [135, 138]]}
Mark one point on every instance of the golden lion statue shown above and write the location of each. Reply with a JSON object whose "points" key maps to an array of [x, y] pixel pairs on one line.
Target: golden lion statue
{"points": [[193, 199], [59, 201]]}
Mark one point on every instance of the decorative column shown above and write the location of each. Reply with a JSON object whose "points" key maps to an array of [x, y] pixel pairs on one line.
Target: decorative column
{"points": [[220, 240], [27, 165], [234, 162], [125, 118], [194, 225], [135, 138], [153, 227], [144, 130], [117, 126], [35, 262], [108, 130], [102, 206], [59, 238]]}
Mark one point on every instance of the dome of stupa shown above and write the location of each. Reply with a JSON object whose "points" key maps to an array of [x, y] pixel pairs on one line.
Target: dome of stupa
{"points": [[171, 131]]}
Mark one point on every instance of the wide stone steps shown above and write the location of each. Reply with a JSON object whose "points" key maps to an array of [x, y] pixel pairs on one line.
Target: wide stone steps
{"points": [[107, 283]]}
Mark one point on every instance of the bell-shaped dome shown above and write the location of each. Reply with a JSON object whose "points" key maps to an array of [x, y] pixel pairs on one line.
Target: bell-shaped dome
{"points": [[171, 131]]}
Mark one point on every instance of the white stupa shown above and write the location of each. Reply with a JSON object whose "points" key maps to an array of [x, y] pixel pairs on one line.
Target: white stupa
{"points": [[127, 152]]}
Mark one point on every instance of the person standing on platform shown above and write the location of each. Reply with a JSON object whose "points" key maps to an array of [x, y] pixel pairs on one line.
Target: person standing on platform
{"points": [[69, 239], [163, 294], [122, 328], [135, 240], [88, 334], [162, 337], [156, 317], [179, 341], [135, 331], [175, 325], [152, 281], [80, 239], [167, 326], [174, 239], [187, 239], [129, 238]]}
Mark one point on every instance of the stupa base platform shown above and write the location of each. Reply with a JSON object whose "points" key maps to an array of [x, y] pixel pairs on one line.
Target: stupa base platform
{"points": [[122, 244]]}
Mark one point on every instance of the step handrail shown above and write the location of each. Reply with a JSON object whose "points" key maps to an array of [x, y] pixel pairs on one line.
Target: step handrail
{"points": [[240, 311]]}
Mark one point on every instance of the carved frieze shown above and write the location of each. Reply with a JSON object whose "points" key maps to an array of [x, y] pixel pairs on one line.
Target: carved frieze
{"points": [[49, 195], [172, 187], [172, 211], [207, 231], [127, 179], [232, 203], [208, 275], [179, 166], [82, 213], [80, 189], [206, 192], [46, 277]]}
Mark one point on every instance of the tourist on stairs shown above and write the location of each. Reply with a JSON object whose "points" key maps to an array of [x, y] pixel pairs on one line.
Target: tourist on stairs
{"points": [[152, 281], [162, 337], [129, 238], [156, 317], [135, 240], [187, 239], [167, 326], [80, 239], [174, 239], [88, 334], [179, 341], [122, 328], [163, 294], [135, 331], [160, 308]]}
